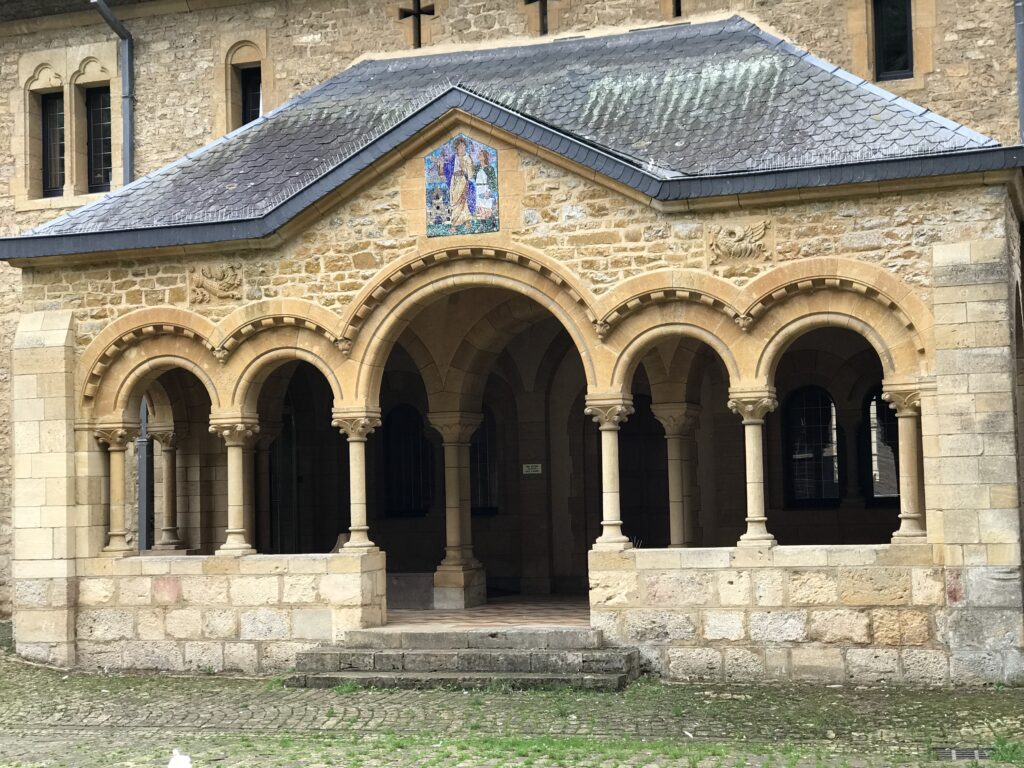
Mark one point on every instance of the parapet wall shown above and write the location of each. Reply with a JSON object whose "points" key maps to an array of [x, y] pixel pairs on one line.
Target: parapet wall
{"points": [[210, 614], [857, 614]]}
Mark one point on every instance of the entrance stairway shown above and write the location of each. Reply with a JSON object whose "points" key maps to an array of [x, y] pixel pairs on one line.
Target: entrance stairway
{"points": [[530, 657]]}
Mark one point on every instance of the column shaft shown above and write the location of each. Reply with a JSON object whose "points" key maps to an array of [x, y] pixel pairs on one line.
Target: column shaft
{"points": [[236, 542], [752, 406], [452, 505], [911, 519], [169, 536], [676, 529], [248, 493], [359, 537], [117, 540], [611, 518]]}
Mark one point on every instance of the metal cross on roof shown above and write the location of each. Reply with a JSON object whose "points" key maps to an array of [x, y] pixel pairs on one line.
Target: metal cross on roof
{"points": [[416, 13], [542, 13]]}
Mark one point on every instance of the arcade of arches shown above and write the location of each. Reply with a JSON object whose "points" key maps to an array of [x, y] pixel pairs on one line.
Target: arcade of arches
{"points": [[476, 463]]}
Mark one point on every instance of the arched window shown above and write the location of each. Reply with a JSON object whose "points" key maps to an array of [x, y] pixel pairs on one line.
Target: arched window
{"points": [[811, 447], [483, 466], [883, 446], [408, 464]]}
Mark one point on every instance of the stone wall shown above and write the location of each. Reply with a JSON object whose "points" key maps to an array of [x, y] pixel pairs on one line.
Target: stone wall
{"points": [[211, 614], [177, 57], [857, 614]]}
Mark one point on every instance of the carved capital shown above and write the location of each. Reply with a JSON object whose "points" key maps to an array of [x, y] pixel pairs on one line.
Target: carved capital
{"points": [[609, 413], [752, 406], [235, 434], [906, 402], [356, 425], [677, 418], [116, 436], [167, 438], [456, 426]]}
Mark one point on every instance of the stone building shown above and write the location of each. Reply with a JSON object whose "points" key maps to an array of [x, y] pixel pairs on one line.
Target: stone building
{"points": [[703, 314]]}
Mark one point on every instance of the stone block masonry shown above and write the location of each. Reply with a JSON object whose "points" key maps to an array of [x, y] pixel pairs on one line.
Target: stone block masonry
{"points": [[845, 614], [210, 614]]}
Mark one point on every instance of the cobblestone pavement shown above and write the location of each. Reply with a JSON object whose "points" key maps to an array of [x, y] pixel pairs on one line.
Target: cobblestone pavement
{"points": [[51, 718]]}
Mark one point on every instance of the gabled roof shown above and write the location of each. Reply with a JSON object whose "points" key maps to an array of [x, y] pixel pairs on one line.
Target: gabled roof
{"points": [[675, 112]]}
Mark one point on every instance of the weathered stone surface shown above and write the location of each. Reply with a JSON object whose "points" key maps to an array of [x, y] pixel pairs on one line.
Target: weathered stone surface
{"points": [[872, 665], [694, 664], [264, 624], [659, 626], [900, 627], [778, 626], [874, 586], [923, 667], [106, 624], [812, 588], [841, 625], [724, 625], [674, 589], [817, 664]]}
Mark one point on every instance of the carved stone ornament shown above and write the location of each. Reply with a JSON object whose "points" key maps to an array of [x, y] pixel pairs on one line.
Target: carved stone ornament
{"points": [[609, 415], [344, 346], [677, 418], [905, 402], [221, 282], [115, 438], [753, 408], [221, 354], [168, 439], [235, 434], [356, 427], [455, 427], [602, 328], [744, 322], [738, 242]]}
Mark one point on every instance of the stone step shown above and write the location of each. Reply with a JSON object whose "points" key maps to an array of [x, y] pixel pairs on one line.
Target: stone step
{"points": [[541, 661], [553, 638], [471, 680]]}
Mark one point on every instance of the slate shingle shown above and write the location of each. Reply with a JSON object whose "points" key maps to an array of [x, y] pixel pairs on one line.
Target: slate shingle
{"points": [[679, 101]]}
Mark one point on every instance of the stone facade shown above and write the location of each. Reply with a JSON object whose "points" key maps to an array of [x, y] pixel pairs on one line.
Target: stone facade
{"points": [[926, 272]]}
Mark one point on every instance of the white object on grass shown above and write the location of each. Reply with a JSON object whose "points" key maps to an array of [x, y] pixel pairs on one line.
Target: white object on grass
{"points": [[179, 760]]}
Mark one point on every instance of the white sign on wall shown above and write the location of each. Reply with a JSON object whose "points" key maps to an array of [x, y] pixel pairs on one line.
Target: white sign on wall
{"points": [[532, 469]]}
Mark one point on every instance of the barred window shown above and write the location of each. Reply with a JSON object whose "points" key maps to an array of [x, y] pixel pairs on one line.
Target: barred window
{"points": [[894, 40], [408, 464], [52, 132], [98, 138], [251, 86], [883, 442], [812, 446], [483, 466]]}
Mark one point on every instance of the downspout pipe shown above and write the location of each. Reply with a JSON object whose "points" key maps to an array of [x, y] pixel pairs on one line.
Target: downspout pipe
{"points": [[127, 52], [1018, 18]]}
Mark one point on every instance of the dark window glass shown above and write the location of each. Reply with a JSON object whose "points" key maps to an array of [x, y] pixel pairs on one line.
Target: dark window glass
{"points": [[894, 40], [812, 446], [883, 443], [409, 464], [483, 467], [98, 145], [52, 109], [251, 81]]}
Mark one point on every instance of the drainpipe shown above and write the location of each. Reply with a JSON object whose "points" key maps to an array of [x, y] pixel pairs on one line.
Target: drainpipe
{"points": [[127, 51], [1018, 17]]}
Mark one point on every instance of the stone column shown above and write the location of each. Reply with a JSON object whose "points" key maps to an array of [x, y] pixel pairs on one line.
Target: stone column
{"points": [[236, 436], [752, 407], [356, 427], [459, 581], [907, 404], [249, 491], [170, 538], [679, 420], [116, 439], [609, 413]]}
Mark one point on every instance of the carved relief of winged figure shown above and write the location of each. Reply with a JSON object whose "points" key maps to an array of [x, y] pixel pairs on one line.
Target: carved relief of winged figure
{"points": [[738, 242], [224, 282]]}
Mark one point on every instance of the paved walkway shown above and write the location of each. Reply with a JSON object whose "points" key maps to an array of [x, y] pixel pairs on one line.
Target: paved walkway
{"points": [[51, 718]]}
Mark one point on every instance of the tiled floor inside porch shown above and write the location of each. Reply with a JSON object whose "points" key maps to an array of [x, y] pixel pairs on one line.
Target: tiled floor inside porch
{"points": [[517, 611]]}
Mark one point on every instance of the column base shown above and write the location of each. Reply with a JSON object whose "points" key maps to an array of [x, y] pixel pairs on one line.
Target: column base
{"points": [[165, 550], [909, 537], [234, 552], [613, 545], [459, 586]]}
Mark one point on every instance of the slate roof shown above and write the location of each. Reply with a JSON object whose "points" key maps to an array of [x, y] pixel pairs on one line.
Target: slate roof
{"points": [[676, 112], [11, 10]]}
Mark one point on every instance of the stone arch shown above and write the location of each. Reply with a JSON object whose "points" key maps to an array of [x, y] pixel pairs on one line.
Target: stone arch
{"points": [[128, 332], [242, 52], [89, 70], [258, 358], [136, 373], [252, 319], [383, 308], [896, 360], [45, 76]]}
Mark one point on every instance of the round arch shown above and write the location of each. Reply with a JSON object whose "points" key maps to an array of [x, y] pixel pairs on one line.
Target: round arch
{"points": [[637, 348], [384, 322], [253, 366], [131, 379]]}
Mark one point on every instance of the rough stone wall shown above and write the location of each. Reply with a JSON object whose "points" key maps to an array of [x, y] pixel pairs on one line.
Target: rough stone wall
{"points": [[863, 614], [9, 300], [210, 614], [600, 236]]}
